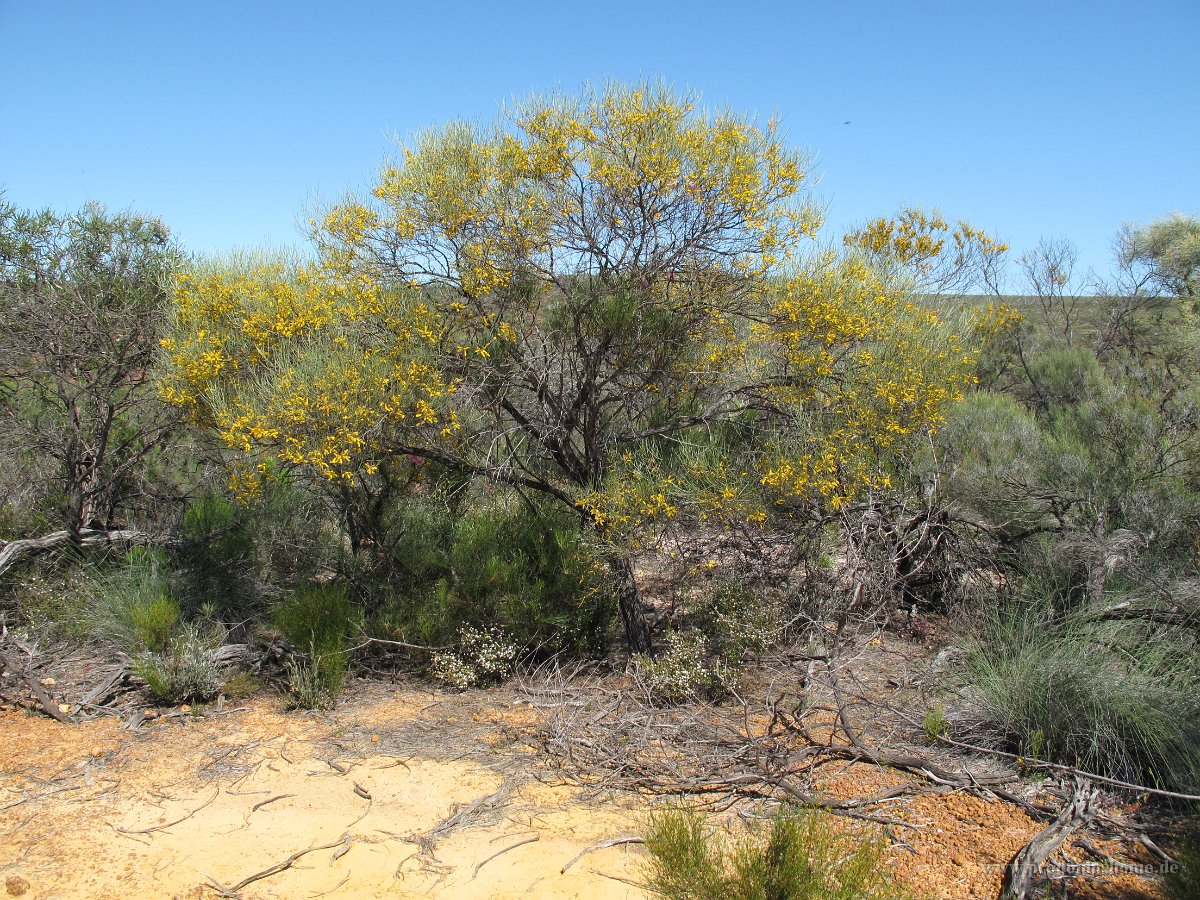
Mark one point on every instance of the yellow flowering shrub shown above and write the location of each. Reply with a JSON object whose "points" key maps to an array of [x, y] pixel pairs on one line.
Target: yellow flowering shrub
{"points": [[307, 367]]}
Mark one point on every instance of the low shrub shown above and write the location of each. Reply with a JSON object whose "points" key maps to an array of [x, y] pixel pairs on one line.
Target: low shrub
{"points": [[319, 621], [1116, 698], [482, 656], [132, 606], [797, 856], [684, 669], [500, 563], [186, 669]]}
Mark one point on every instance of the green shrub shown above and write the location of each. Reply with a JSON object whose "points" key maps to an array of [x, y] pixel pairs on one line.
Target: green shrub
{"points": [[736, 620], [186, 670], [500, 563], [320, 622], [684, 669], [1183, 882], [133, 606], [153, 620], [800, 856], [1115, 698], [215, 556]]}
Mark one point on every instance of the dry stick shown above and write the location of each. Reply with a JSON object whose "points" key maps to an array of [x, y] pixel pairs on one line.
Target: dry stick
{"points": [[101, 690], [257, 806], [603, 845], [334, 888], [268, 872], [636, 884], [38, 692], [342, 850], [1024, 866], [521, 843], [169, 824]]}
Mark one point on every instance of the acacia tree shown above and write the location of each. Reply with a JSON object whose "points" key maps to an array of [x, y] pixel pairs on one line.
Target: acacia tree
{"points": [[82, 304], [1168, 250], [544, 300]]}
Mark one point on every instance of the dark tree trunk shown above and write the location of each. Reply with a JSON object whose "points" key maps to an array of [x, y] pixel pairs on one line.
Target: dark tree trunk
{"points": [[634, 615]]}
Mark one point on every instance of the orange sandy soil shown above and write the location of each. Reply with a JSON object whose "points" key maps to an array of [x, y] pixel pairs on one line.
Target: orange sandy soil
{"points": [[168, 810]]}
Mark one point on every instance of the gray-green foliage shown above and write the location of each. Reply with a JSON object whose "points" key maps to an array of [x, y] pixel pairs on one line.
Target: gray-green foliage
{"points": [[133, 606], [83, 299], [1114, 696], [728, 625], [185, 669], [796, 856], [1169, 248]]}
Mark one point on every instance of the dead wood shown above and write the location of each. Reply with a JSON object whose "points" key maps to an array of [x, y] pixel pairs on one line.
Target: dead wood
{"points": [[268, 872], [1025, 865], [257, 806], [166, 825], [25, 672], [14, 551], [603, 845], [520, 843]]}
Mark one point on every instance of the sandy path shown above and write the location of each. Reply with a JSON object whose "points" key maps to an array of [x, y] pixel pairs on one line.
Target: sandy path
{"points": [[95, 806]]}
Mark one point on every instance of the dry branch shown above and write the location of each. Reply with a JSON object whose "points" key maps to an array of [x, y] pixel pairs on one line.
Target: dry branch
{"points": [[1024, 866], [520, 843], [603, 845], [272, 870], [14, 551], [166, 825]]}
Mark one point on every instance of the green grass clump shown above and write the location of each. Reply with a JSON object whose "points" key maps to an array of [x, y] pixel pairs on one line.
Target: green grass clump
{"points": [[799, 856], [319, 621], [1114, 698]]}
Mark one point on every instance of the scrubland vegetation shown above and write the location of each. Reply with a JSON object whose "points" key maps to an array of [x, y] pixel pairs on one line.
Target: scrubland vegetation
{"points": [[550, 360]]}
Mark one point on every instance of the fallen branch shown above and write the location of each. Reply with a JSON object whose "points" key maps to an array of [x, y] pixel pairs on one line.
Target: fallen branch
{"points": [[272, 870], [166, 825], [25, 672], [1024, 866], [603, 845], [257, 806], [520, 843], [89, 537]]}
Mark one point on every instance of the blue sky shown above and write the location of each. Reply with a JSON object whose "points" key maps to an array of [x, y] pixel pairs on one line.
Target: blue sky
{"points": [[228, 119]]}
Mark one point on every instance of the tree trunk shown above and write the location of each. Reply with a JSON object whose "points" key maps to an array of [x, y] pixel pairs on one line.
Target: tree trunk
{"points": [[634, 615]]}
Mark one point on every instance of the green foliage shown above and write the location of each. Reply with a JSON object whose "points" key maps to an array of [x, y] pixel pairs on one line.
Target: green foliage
{"points": [[683, 669], [132, 606], [1169, 249], [738, 621], [319, 621], [240, 686], [1114, 697], [935, 723], [83, 299], [217, 548], [800, 857], [496, 562], [1183, 882], [482, 656], [185, 670]]}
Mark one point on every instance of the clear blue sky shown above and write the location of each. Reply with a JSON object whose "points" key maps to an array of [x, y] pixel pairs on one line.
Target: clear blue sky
{"points": [[1062, 119]]}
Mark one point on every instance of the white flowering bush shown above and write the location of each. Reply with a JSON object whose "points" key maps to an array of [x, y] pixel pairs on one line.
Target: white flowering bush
{"points": [[683, 670], [483, 656]]}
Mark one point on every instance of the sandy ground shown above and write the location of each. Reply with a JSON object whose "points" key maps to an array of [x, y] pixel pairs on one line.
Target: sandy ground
{"points": [[187, 805]]}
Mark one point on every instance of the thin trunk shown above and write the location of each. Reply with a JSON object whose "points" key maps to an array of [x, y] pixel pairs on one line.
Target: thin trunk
{"points": [[634, 614]]}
